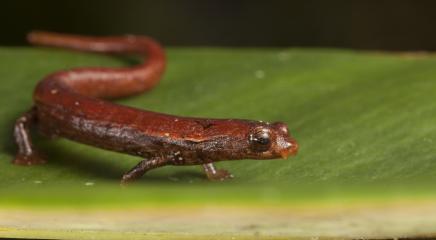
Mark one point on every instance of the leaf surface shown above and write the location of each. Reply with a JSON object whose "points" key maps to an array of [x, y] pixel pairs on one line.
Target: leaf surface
{"points": [[365, 123]]}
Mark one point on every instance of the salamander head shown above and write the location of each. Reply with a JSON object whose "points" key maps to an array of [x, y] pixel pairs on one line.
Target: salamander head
{"points": [[234, 139], [249, 140], [269, 141]]}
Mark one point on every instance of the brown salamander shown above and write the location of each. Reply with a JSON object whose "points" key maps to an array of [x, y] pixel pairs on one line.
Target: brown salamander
{"points": [[69, 104]]}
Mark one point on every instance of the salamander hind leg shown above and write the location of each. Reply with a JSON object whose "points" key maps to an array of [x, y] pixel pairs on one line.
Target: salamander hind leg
{"points": [[141, 168], [26, 153], [214, 174]]}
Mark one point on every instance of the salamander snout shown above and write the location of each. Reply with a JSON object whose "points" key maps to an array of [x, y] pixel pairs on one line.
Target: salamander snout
{"points": [[289, 148], [272, 141], [285, 144]]}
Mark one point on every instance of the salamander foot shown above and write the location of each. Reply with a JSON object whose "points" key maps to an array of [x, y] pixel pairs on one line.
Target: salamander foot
{"points": [[26, 152], [141, 168], [214, 174], [28, 160]]}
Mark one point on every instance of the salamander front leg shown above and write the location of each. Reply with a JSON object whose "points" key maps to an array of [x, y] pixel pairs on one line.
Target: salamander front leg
{"points": [[214, 174], [26, 153], [142, 168]]}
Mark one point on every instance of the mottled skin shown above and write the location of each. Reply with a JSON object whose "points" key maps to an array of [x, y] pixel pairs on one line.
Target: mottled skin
{"points": [[68, 104]]}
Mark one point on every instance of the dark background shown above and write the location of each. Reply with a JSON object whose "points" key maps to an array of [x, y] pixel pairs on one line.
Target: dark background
{"points": [[384, 25]]}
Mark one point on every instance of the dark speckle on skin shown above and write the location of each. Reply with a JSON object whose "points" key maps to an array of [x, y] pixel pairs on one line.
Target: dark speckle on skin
{"points": [[205, 124]]}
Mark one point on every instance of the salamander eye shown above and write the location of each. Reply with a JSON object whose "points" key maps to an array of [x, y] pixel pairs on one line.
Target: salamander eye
{"points": [[260, 140]]}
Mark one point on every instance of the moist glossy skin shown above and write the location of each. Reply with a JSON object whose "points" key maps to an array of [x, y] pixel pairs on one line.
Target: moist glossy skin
{"points": [[69, 104]]}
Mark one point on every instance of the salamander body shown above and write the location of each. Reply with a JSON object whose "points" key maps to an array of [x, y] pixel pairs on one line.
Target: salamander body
{"points": [[71, 104]]}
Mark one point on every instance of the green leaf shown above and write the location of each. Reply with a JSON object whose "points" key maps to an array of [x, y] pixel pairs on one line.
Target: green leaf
{"points": [[365, 123]]}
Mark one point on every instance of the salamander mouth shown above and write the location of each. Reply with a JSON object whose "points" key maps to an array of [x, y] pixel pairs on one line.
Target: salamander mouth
{"points": [[290, 149]]}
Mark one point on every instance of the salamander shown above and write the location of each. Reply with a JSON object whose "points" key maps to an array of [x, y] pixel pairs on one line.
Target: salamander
{"points": [[73, 104]]}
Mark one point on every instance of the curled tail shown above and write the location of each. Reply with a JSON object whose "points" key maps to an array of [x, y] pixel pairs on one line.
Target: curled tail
{"points": [[98, 81]]}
